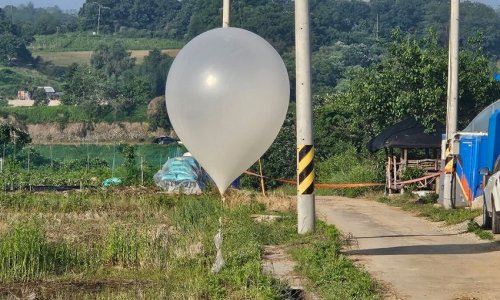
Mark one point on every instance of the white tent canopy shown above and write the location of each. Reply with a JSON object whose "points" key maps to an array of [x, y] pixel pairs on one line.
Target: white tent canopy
{"points": [[480, 122]]}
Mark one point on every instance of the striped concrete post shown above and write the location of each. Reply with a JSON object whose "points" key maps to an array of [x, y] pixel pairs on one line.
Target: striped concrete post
{"points": [[305, 146]]}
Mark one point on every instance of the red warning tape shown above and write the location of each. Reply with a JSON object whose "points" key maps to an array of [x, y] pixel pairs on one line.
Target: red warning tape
{"points": [[320, 185], [342, 185], [292, 182]]}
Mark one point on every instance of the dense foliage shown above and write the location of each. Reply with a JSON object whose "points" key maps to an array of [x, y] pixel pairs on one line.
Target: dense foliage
{"points": [[12, 139], [350, 22], [13, 43], [34, 20], [411, 80], [111, 83]]}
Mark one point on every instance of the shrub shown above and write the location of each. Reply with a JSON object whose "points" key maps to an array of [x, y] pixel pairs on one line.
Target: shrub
{"points": [[350, 167]]}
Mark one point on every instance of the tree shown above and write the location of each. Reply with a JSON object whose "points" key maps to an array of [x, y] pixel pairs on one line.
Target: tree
{"points": [[154, 70], [12, 43], [85, 86], [340, 20], [39, 96], [158, 117], [410, 81], [12, 139], [330, 63], [112, 59], [279, 160], [129, 168], [35, 21]]}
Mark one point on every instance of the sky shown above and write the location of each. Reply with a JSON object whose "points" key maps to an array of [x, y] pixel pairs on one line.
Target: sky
{"points": [[63, 4], [76, 4]]}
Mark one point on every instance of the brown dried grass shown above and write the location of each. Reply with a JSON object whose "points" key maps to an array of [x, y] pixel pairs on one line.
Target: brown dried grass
{"points": [[274, 201]]}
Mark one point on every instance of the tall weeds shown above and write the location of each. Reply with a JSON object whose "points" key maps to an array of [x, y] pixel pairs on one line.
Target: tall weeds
{"points": [[26, 254]]}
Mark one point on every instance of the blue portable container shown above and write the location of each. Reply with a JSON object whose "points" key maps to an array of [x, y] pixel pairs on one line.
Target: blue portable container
{"points": [[472, 158]]}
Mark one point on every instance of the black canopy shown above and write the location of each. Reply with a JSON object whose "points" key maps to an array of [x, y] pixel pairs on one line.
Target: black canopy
{"points": [[408, 133]]}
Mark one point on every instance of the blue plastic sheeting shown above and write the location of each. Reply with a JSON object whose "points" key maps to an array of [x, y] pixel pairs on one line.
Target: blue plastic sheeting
{"points": [[113, 181], [481, 121], [181, 175], [473, 157], [493, 140]]}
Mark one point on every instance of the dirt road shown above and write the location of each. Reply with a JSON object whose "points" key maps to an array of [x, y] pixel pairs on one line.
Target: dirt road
{"points": [[415, 258]]}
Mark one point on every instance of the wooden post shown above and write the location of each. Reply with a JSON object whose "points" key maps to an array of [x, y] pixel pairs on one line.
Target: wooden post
{"points": [[262, 179], [142, 172], [395, 171], [404, 164], [51, 158], [28, 159], [388, 173]]}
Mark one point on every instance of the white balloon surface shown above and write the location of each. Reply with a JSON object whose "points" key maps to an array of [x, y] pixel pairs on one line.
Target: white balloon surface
{"points": [[227, 95]]}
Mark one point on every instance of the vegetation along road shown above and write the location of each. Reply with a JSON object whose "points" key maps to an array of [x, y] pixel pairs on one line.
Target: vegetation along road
{"points": [[415, 258]]}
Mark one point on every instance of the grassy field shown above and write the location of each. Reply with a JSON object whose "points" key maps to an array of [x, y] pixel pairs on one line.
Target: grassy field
{"points": [[13, 79], [139, 243], [85, 42], [68, 114], [66, 58]]}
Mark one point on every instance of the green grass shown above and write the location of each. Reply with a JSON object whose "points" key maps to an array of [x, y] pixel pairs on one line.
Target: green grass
{"points": [[480, 232], [349, 167], [68, 114], [165, 245], [85, 42], [66, 58], [25, 254], [137, 241], [14, 79], [332, 274], [433, 213]]}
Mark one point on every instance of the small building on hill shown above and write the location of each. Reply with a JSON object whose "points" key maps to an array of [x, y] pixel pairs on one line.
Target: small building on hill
{"points": [[25, 98], [410, 151], [50, 92]]}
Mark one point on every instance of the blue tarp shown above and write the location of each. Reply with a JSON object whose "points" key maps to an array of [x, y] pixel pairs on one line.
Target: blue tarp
{"points": [[113, 181], [181, 175]]}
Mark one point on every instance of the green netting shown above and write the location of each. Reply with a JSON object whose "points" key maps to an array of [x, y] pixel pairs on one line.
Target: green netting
{"points": [[152, 154], [83, 164], [40, 155]]}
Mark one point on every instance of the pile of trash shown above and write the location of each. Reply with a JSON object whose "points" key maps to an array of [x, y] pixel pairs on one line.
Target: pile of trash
{"points": [[181, 175]]}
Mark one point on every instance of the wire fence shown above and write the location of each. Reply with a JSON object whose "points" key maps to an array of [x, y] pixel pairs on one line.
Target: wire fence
{"points": [[79, 165], [49, 154]]}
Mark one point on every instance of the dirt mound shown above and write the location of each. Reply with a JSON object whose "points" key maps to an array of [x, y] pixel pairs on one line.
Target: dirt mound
{"points": [[153, 105], [92, 133]]}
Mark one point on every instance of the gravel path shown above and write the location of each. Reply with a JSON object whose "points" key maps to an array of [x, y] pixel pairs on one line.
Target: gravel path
{"points": [[413, 257]]}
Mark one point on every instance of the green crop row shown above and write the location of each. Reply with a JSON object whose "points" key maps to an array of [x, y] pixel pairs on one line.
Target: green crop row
{"points": [[68, 114], [86, 42]]}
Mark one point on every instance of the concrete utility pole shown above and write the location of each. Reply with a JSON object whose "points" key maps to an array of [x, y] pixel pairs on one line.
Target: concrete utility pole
{"points": [[452, 103], [226, 13], [99, 16], [305, 147]]}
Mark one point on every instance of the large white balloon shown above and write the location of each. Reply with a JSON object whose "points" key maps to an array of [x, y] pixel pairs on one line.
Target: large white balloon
{"points": [[227, 95]]}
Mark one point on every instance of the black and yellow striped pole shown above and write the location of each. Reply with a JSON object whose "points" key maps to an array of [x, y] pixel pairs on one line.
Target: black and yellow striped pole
{"points": [[305, 170], [305, 147]]}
